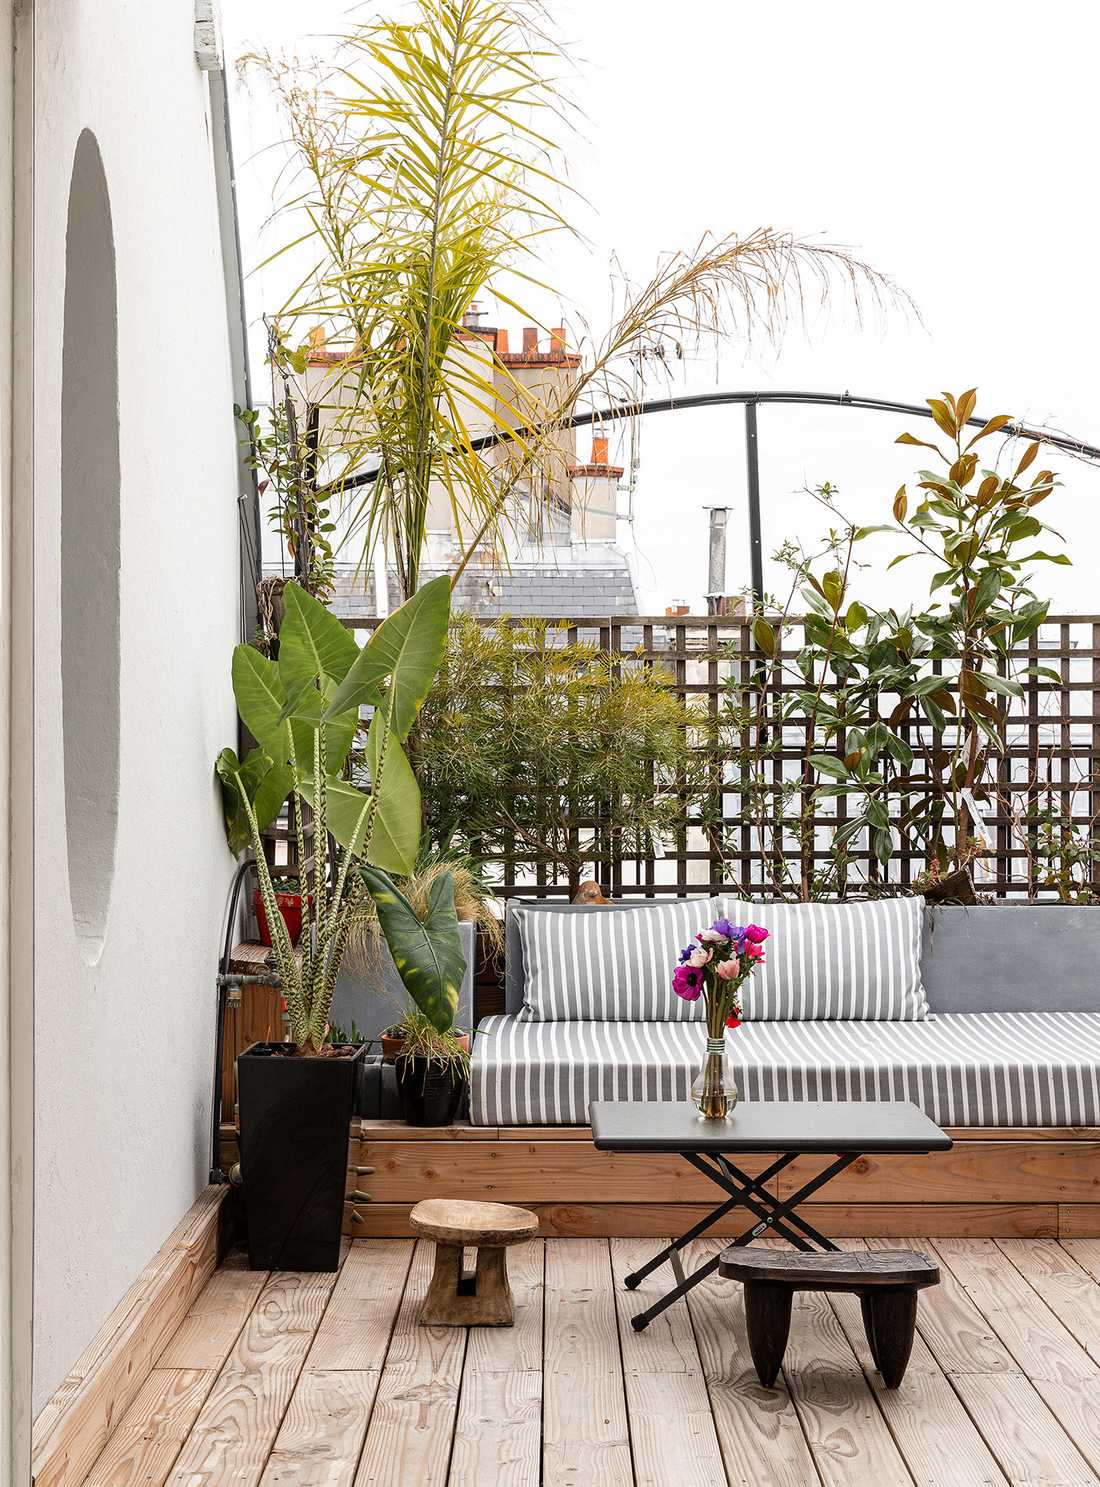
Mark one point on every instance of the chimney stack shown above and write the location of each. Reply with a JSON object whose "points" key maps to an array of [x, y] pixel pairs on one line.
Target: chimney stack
{"points": [[530, 341], [557, 340]]}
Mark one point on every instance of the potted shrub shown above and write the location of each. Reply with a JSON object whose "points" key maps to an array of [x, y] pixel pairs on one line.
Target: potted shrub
{"points": [[296, 1098]]}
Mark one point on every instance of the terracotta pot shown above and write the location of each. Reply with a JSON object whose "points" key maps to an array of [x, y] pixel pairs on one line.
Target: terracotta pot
{"points": [[392, 1046], [290, 907]]}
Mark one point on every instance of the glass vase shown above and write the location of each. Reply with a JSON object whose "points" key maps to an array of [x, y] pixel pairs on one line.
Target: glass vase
{"points": [[714, 1091]]}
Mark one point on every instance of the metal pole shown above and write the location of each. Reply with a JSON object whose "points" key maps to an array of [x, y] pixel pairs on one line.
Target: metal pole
{"points": [[752, 457]]}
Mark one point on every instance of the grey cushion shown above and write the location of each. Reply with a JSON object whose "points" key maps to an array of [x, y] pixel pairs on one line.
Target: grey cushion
{"points": [[962, 1069], [835, 961], [514, 970], [609, 966]]}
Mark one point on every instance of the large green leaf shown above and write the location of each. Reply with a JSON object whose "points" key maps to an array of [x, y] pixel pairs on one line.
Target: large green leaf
{"points": [[407, 648], [261, 702], [255, 779], [395, 837], [313, 644], [397, 826], [428, 955]]}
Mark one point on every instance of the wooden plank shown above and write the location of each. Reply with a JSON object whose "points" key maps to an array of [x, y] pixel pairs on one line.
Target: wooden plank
{"points": [[237, 1425], [977, 1220], [498, 1428], [758, 1429], [531, 1172], [586, 1220], [668, 1405], [1069, 1291], [147, 1440], [957, 1133], [972, 1172], [848, 1437], [1087, 1254], [937, 1438], [214, 1320], [1057, 1365], [322, 1433], [585, 1434], [409, 1436], [75, 1424], [398, 1130], [1079, 1220], [1028, 1444]]}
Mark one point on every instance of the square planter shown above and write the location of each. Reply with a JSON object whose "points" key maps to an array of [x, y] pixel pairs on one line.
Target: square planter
{"points": [[295, 1123]]}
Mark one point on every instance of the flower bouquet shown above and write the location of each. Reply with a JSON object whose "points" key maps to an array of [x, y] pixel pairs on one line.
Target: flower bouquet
{"points": [[715, 966]]}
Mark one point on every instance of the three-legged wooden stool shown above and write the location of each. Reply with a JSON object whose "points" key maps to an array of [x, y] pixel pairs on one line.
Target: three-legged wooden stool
{"points": [[886, 1282], [483, 1297]]}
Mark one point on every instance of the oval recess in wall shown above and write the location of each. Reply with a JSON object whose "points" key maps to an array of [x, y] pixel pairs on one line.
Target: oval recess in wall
{"points": [[90, 548]]}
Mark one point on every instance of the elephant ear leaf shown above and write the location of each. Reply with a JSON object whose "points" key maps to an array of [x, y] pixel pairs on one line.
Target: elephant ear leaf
{"points": [[408, 649], [256, 780], [428, 954], [313, 644]]}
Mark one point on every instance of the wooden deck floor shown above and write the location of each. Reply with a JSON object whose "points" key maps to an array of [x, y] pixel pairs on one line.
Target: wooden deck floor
{"points": [[321, 1379]]}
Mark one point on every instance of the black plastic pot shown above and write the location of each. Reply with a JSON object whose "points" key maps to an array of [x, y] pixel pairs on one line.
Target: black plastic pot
{"points": [[429, 1091], [295, 1123]]}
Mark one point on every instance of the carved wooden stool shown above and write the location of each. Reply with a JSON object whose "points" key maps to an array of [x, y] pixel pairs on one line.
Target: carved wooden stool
{"points": [[483, 1297], [886, 1282]]}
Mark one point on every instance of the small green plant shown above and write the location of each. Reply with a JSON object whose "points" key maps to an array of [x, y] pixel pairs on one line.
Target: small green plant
{"points": [[303, 710], [424, 1040], [556, 753]]}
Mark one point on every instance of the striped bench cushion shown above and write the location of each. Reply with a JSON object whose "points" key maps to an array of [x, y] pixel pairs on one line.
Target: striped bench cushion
{"points": [[835, 960], [962, 1069]]}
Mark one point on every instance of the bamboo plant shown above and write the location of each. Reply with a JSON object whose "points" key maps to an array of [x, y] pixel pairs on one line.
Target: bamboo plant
{"points": [[303, 710]]}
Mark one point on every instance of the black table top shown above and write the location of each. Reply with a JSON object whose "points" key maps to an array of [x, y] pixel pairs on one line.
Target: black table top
{"points": [[766, 1125]]}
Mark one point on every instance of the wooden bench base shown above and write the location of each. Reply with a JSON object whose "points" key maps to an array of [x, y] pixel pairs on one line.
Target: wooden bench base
{"points": [[1020, 1183]]}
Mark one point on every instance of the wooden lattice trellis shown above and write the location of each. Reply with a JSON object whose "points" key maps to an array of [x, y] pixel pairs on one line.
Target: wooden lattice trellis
{"points": [[1050, 767]]}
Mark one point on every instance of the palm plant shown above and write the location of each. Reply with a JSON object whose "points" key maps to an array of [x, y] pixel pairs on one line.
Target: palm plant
{"points": [[432, 173], [303, 710]]}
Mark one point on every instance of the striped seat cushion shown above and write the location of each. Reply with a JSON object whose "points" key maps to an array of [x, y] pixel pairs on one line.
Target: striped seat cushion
{"points": [[962, 1068], [609, 964], [835, 961]]}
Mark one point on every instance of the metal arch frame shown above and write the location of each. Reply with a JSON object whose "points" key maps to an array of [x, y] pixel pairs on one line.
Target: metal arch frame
{"points": [[751, 400]]}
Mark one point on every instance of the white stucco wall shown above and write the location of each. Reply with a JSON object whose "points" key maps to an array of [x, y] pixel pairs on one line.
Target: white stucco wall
{"points": [[124, 1047]]}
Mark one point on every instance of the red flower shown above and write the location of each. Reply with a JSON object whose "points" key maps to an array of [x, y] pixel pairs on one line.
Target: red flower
{"points": [[732, 1021]]}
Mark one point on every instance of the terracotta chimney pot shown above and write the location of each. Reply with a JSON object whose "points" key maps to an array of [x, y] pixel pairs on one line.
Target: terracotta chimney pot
{"points": [[599, 449], [530, 341]]}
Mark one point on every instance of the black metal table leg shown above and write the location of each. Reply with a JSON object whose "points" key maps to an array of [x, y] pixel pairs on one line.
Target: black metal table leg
{"points": [[745, 1192]]}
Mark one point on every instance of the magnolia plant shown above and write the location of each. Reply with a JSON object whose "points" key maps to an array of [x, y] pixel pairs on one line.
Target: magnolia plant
{"points": [[304, 712]]}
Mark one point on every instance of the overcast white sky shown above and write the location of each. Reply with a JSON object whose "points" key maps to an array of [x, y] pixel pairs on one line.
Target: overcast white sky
{"points": [[952, 145]]}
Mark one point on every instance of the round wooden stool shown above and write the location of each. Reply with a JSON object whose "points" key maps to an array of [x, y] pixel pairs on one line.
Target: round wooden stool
{"points": [[482, 1298]]}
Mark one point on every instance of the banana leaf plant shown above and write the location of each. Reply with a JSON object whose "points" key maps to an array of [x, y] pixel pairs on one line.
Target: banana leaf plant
{"points": [[304, 712]]}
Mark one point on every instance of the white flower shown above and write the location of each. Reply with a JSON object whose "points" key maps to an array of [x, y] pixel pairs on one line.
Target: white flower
{"points": [[699, 958], [713, 937]]}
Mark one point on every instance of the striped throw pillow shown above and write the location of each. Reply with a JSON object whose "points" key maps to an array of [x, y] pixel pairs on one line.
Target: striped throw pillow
{"points": [[835, 962], [609, 965]]}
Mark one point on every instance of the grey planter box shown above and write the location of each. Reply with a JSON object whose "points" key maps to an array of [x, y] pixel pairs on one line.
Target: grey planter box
{"points": [[1012, 958], [376, 999]]}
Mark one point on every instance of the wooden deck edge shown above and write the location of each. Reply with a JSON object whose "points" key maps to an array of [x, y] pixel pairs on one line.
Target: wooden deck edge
{"points": [[397, 1130], [74, 1425]]}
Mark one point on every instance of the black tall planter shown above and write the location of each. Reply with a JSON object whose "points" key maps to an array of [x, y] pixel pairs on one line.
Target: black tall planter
{"points": [[295, 1126]]}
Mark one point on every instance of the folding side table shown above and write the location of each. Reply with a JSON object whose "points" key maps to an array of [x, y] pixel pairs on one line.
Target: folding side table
{"points": [[844, 1130]]}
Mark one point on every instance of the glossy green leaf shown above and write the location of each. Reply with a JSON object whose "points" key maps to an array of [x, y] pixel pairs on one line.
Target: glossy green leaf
{"points": [[406, 649], [828, 765], [428, 955], [256, 780], [312, 642]]}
